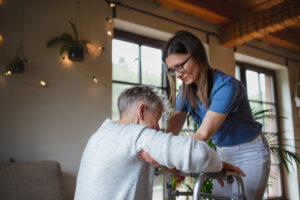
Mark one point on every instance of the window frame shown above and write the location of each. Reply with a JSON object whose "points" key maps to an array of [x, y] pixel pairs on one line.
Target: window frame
{"points": [[246, 66], [141, 40]]}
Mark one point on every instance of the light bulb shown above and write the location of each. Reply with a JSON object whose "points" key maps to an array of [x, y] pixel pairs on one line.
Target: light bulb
{"points": [[112, 5], [109, 33], [1, 38], [101, 48], [95, 80], [109, 27], [42, 83], [8, 73]]}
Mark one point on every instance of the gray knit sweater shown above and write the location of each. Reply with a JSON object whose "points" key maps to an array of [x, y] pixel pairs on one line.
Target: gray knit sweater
{"points": [[111, 170]]}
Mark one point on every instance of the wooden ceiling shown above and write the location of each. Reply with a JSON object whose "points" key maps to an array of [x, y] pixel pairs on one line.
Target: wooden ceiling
{"points": [[241, 21]]}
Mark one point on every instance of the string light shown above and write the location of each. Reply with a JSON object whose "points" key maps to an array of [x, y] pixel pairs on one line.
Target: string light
{"points": [[112, 5], [95, 79], [1, 38], [43, 83], [101, 48], [109, 33], [109, 27], [8, 73]]}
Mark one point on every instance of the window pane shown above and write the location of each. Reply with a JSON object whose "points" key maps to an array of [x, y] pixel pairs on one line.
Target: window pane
{"points": [[267, 90], [266, 118], [125, 57], [151, 66], [238, 73], [117, 89], [273, 188], [253, 89]]}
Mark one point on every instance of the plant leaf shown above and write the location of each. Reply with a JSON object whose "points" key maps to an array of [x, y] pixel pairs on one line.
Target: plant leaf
{"points": [[53, 41], [187, 186], [285, 156], [64, 48], [74, 30], [67, 37]]}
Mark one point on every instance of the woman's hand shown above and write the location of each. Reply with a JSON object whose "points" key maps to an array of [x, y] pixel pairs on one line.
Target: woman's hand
{"points": [[175, 172], [230, 167]]}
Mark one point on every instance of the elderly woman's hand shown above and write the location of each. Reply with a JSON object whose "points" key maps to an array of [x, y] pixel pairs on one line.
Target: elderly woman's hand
{"points": [[146, 157]]}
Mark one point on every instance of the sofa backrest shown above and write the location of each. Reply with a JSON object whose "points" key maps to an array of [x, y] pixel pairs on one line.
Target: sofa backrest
{"points": [[31, 180]]}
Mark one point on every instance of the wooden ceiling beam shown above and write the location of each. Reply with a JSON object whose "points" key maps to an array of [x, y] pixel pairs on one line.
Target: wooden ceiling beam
{"points": [[287, 44], [213, 11], [266, 5], [279, 17]]}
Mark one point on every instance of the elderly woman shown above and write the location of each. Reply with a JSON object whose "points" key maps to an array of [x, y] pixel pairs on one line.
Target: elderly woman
{"points": [[110, 167], [218, 103]]}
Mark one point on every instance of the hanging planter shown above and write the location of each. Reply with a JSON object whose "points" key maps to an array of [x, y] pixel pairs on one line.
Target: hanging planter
{"points": [[76, 53], [18, 63], [75, 47]]}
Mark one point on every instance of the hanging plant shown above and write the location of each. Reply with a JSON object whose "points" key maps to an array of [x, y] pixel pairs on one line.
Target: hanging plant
{"points": [[18, 63], [74, 46]]}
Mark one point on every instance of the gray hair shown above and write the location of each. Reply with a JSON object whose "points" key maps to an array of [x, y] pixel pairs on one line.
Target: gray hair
{"points": [[137, 94]]}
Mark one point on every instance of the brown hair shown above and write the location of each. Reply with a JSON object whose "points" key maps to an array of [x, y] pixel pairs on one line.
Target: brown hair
{"points": [[185, 42]]}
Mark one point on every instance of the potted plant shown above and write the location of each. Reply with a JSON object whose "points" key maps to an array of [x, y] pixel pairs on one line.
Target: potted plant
{"points": [[74, 46], [17, 66], [18, 63]]}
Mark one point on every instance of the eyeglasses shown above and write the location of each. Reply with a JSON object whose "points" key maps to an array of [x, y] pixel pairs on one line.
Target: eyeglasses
{"points": [[179, 68]]}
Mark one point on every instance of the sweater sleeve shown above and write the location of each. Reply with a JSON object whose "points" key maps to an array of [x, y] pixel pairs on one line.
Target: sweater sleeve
{"points": [[180, 152]]}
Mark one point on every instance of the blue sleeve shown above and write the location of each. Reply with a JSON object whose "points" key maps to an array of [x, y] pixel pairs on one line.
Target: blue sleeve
{"points": [[179, 105], [227, 97]]}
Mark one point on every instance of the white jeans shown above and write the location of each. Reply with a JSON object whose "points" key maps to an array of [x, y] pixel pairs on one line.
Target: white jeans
{"points": [[253, 158]]}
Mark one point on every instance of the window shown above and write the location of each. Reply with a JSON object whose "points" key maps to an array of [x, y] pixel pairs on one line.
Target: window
{"points": [[137, 60], [261, 90]]}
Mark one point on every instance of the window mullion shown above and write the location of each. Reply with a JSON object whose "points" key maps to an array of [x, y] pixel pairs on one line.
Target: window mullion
{"points": [[140, 65]]}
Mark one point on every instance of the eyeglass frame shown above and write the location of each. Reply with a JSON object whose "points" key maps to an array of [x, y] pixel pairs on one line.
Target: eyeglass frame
{"points": [[179, 68]]}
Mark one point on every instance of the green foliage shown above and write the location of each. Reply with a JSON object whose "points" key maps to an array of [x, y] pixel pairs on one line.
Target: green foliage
{"points": [[207, 187], [68, 41], [278, 149], [285, 156]]}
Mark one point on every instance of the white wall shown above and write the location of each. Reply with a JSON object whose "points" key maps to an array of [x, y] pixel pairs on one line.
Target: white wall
{"points": [[54, 123]]}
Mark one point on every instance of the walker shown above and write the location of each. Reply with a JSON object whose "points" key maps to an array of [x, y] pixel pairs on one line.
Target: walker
{"points": [[201, 177]]}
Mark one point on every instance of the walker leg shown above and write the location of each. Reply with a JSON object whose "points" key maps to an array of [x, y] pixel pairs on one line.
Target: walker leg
{"points": [[169, 186], [197, 185]]}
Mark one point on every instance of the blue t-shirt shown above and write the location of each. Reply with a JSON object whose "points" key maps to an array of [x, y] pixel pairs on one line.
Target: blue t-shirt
{"points": [[228, 95]]}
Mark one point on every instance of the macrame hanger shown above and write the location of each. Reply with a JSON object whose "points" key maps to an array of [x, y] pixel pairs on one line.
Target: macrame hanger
{"points": [[78, 18], [20, 52]]}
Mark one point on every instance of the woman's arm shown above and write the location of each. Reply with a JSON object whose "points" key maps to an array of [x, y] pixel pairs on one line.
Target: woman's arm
{"points": [[176, 122], [210, 124]]}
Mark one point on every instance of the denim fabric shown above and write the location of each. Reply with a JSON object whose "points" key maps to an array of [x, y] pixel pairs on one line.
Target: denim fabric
{"points": [[254, 159]]}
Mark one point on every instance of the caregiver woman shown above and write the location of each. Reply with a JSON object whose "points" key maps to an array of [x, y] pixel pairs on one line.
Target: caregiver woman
{"points": [[218, 103]]}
